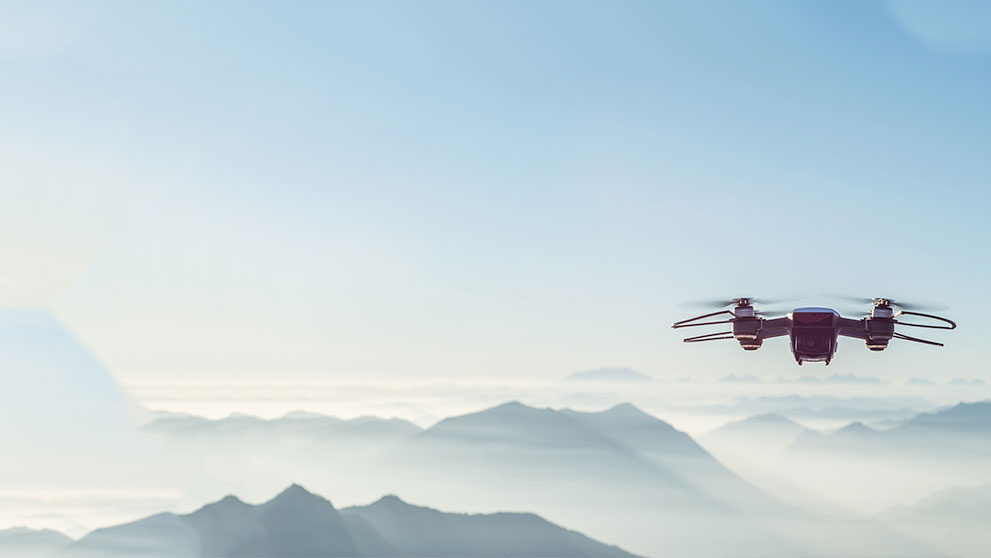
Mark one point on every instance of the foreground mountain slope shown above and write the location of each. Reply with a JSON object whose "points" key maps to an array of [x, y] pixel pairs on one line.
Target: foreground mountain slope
{"points": [[294, 523], [419, 531], [297, 523]]}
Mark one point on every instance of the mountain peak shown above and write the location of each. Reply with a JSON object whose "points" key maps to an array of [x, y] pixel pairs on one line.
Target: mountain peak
{"points": [[230, 500], [391, 501], [627, 409], [769, 418], [295, 491], [511, 405], [856, 427]]}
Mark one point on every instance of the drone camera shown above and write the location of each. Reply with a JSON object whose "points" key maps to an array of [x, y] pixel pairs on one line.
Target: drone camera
{"points": [[813, 344]]}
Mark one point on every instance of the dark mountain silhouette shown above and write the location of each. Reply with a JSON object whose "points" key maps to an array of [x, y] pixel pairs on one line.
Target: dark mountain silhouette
{"points": [[20, 542], [297, 523], [418, 531], [294, 523]]}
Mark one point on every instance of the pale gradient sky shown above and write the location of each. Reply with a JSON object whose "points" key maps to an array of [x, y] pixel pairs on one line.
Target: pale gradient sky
{"points": [[332, 191]]}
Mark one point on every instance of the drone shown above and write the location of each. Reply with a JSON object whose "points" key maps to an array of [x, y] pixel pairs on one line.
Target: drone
{"points": [[813, 330]]}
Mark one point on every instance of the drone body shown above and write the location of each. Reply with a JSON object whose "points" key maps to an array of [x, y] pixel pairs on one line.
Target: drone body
{"points": [[813, 331]]}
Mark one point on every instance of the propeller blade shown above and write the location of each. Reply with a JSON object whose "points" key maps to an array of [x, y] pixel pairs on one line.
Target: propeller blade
{"points": [[920, 307], [723, 302], [853, 299], [904, 305]]}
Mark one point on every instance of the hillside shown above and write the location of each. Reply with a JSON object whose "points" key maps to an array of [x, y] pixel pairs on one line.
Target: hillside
{"points": [[297, 523]]}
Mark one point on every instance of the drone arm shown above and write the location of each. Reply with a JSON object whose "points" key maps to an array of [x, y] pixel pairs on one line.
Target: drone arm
{"points": [[710, 337], [775, 327], [693, 322], [848, 327]]}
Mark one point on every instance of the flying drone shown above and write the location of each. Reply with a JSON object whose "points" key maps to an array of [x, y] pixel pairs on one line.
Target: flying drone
{"points": [[813, 330]]}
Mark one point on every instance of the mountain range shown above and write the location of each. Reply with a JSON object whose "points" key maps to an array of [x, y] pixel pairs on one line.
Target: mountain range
{"points": [[915, 457], [298, 523], [566, 465]]}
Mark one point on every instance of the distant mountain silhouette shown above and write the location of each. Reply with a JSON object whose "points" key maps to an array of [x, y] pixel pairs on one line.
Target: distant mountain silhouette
{"points": [[876, 469], [966, 382], [19, 542], [965, 426], [621, 458], [917, 381], [618, 374], [809, 407], [297, 523], [768, 434], [962, 419]]}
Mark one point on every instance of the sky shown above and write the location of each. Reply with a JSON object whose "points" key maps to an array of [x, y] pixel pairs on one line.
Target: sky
{"points": [[475, 191]]}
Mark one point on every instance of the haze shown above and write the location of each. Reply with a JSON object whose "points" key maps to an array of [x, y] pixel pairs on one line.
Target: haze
{"points": [[428, 211]]}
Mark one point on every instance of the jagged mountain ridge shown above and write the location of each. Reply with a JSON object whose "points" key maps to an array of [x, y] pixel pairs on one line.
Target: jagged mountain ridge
{"points": [[298, 523]]}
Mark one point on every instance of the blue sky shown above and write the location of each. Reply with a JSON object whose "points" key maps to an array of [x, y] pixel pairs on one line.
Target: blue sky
{"points": [[249, 190]]}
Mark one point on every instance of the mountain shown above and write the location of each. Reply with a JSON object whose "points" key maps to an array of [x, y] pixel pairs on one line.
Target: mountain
{"points": [[917, 381], [965, 382], [617, 374], [964, 419], [675, 451], [924, 454], [297, 523], [294, 523], [418, 531], [665, 494], [621, 458], [20, 542], [763, 437]]}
